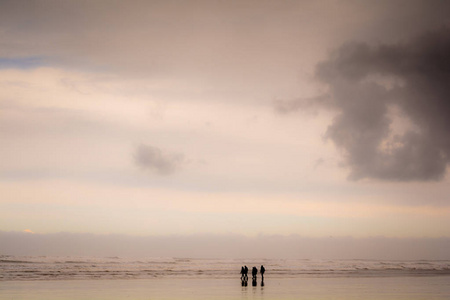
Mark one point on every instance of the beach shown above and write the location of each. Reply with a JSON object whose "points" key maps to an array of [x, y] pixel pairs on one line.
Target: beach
{"points": [[114, 278], [411, 288]]}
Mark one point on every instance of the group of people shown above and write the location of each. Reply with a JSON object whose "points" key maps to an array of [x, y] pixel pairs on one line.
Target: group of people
{"points": [[244, 276]]}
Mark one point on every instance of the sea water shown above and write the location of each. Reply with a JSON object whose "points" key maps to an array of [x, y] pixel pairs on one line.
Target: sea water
{"points": [[70, 278], [16, 268]]}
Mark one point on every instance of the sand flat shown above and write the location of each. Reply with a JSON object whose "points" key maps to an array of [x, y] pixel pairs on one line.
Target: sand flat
{"points": [[430, 287]]}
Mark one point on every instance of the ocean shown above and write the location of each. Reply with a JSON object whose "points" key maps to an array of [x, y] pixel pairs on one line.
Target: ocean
{"points": [[33, 277], [18, 268]]}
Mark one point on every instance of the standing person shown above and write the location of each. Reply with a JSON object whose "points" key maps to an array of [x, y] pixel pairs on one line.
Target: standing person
{"points": [[245, 272], [243, 279], [254, 272], [262, 270]]}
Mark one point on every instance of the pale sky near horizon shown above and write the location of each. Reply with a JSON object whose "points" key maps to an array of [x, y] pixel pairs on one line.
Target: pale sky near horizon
{"points": [[313, 118]]}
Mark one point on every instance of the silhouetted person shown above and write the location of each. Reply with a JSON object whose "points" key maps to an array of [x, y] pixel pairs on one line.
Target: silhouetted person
{"points": [[245, 272], [254, 272], [244, 277], [262, 270]]}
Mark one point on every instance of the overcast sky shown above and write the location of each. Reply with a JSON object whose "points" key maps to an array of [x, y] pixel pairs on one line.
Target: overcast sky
{"points": [[159, 118]]}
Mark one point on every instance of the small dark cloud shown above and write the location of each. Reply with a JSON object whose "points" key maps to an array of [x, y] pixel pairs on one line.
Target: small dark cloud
{"points": [[365, 82], [157, 161]]}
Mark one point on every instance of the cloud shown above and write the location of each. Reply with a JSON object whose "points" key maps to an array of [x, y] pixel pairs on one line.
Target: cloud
{"points": [[23, 63], [155, 160], [392, 104], [28, 231]]}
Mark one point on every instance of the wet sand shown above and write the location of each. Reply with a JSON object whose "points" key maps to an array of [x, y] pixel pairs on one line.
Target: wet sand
{"points": [[398, 288]]}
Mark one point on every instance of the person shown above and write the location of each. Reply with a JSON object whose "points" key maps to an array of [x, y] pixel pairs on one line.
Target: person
{"points": [[254, 272], [245, 272], [243, 280], [262, 272]]}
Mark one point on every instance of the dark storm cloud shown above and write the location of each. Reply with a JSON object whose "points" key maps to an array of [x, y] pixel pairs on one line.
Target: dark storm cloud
{"points": [[365, 82], [155, 160]]}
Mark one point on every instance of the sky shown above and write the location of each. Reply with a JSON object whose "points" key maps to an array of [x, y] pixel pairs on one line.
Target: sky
{"points": [[234, 119]]}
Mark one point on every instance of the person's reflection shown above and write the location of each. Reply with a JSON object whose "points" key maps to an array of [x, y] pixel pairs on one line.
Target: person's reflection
{"points": [[244, 282]]}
